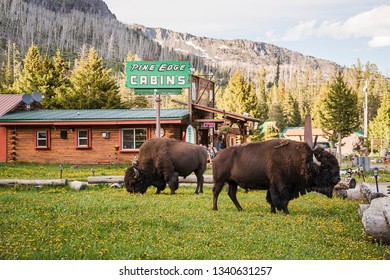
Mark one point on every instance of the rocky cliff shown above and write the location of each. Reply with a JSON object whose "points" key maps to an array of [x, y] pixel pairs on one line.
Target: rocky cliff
{"points": [[230, 55]]}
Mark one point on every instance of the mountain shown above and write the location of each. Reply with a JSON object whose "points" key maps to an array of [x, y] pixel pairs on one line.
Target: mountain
{"points": [[70, 24], [98, 7], [230, 55]]}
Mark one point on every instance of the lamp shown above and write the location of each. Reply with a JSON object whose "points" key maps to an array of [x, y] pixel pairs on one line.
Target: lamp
{"points": [[61, 169], [375, 172], [106, 135]]}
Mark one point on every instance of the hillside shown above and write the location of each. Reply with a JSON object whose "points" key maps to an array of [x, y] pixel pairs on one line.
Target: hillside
{"points": [[65, 6], [70, 24], [238, 54]]}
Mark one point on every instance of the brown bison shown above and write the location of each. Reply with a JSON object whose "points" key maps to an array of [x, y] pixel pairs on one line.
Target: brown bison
{"points": [[162, 161], [285, 168]]}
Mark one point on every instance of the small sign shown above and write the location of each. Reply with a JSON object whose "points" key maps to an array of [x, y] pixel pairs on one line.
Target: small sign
{"points": [[145, 76], [209, 125], [190, 134]]}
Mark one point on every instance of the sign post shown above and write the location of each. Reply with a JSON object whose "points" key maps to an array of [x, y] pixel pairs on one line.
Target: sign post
{"points": [[158, 77], [157, 99]]}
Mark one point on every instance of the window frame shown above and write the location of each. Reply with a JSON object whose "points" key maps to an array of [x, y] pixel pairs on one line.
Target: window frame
{"points": [[47, 139], [88, 138], [121, 146]]}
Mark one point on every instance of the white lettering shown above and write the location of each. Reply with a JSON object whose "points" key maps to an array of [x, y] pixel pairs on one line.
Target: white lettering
{"points": [[181, 80], [133, 80], [134, 67], [153, 80], [145, 67], [143, 80], [170, 80]]}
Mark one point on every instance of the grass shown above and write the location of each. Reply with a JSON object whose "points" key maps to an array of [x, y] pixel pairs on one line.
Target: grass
{"points": [[107, 223]]}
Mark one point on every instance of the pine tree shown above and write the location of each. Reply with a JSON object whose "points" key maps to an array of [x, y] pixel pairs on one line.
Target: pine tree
{"points": [[379, 127], [238, 96], [340, 113], [291, 111], [92, 85], [262, 97], [28, 80], [60, 82], [128, 98]]}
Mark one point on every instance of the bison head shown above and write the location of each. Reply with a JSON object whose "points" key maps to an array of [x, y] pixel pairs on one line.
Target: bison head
{"points": [[328, 174], [134, 180]]}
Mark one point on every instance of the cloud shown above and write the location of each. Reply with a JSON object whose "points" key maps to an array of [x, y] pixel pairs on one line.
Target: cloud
{"points": [[373, 24], [379, 41]]}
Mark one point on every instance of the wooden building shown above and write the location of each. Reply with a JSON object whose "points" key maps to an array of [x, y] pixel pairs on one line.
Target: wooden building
{"points": [[84, 136], [30, 134]]}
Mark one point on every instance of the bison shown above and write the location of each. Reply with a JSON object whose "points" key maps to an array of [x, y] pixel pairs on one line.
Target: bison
{"points": [[162, 161], [285, 168]]}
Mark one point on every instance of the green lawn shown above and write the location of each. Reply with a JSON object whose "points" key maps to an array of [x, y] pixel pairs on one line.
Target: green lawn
{"points": [[106, 223]]}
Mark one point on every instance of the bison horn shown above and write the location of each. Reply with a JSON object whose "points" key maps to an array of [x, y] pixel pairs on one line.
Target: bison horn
{"points": [[135, 161], [136, 173], [315, 160]]}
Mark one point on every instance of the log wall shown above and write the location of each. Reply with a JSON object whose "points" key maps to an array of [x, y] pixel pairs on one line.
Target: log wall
{"points": [[21, 144]]}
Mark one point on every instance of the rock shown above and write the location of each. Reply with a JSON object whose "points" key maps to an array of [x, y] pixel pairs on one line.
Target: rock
{"points": [[362, 208], [116, 185], [78, 185], [376, 219], [355, 194], [342, 193]]}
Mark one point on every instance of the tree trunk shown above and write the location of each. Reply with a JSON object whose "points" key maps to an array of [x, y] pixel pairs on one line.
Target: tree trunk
{"points": [[339, 148], [22, 182]]}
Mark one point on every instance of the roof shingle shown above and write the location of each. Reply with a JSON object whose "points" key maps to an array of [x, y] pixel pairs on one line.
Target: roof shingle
{"points": [[8, 102]]}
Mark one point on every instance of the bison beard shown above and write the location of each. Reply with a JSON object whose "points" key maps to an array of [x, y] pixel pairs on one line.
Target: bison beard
{"points": [[286, 169], [161, 161]]}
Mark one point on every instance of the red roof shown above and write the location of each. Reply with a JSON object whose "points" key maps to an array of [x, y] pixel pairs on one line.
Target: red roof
{"points": [[8, 102]]}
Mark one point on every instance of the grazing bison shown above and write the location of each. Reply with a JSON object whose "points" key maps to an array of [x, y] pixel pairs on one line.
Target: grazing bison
{"points": [[285, 168], [162, 161]]}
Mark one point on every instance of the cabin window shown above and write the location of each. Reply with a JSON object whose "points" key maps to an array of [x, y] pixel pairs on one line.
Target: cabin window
{"points": [[83, 138], [133, 138], [42, 139]]}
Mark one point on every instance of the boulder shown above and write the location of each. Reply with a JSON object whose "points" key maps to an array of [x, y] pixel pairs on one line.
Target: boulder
{"points": [[78, 185], [116, 185], [376, 220]]}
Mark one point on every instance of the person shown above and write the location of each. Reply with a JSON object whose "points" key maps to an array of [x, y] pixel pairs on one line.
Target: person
{"points": [[223, 143], [210, 153]]}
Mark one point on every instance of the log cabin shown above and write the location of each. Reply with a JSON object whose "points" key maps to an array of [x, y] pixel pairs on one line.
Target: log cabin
{"points": [[32, 134], [84, 136]]}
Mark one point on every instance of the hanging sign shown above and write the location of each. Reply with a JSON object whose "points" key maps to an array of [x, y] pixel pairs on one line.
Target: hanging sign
{"points": [[190, 134], [168, 76]]}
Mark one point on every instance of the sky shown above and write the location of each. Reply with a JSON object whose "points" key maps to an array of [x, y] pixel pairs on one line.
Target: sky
{"points": [[342, 31]]}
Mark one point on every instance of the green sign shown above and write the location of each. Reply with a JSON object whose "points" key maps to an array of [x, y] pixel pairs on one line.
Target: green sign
{"points": [[168, 76]]}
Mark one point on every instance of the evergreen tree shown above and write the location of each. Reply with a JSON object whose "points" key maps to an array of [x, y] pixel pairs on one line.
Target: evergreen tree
{"points": [[128, 98], [275, 106], [60, 82], [43, 75], [340, 113], [262, 97], [379, 127], [238, 96], [92, 85], [291, 111], [28, 80]]}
